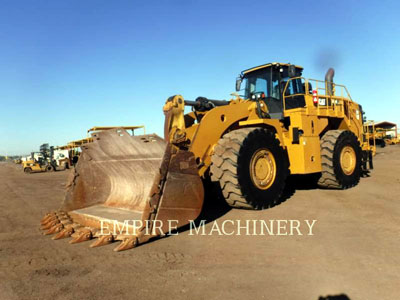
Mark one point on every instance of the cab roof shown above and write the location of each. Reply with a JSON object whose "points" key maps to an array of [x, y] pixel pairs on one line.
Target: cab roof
{"points": [[268, 65]]}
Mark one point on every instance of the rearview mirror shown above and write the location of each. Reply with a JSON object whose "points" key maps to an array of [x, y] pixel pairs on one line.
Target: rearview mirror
{"points": [[238, 83]]}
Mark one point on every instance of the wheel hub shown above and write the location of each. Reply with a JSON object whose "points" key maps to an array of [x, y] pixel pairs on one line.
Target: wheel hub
{"points": [[263, 169], [348, 160]]}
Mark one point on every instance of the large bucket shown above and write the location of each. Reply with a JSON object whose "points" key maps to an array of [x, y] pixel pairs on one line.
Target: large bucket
{"points": [[128, 188]]}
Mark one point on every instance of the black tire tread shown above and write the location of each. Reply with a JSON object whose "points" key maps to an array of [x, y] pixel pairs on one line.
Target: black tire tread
{"points": [[224, 163], [328, 178]]}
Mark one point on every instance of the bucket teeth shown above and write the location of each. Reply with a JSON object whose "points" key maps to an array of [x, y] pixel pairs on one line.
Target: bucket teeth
{"points": [[47, 217], [50, 224], [127, 243], [54, 229], [63, 220], [102, 241], [52, 215], [52, 218], [66, 232], [81, 236]]}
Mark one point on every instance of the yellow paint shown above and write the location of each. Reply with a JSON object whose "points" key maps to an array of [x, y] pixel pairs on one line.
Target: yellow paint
{"points": [[348, 160], [266, 66], [263, 169], [311, 121], [34, 166]]}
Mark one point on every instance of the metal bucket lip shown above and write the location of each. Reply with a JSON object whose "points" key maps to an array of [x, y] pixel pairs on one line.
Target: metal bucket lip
{"points": [[102, 218]]}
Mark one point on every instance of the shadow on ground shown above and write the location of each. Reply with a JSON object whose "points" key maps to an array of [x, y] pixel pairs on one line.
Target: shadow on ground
{"points": [[335, 297], [215, 207]]}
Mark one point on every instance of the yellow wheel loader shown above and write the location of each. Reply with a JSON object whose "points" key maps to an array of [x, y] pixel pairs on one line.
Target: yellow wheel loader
{"points": [[132, 188]]}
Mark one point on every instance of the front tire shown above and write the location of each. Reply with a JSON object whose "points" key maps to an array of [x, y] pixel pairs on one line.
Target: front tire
{"points": [[27, 170], [340, 159], [49, 168], [251, 168]]}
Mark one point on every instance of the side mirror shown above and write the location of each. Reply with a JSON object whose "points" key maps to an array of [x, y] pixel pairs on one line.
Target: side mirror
{"points": [[292, 71], [238, 83]]}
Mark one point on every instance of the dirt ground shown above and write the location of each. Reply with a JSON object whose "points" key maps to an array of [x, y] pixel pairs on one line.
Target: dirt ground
{"points": [[354, 249]]}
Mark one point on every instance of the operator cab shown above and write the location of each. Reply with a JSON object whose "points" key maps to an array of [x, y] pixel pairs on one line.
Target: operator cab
{"points": [[267, 83]]}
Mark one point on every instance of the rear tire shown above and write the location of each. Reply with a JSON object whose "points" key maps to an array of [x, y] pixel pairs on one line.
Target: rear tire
{"points": [[27, 170], [250, 167], [340, 159]]}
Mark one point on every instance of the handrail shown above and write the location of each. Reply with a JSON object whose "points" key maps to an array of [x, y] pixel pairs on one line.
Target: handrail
{"points": [[369, 134], [339, 97]]}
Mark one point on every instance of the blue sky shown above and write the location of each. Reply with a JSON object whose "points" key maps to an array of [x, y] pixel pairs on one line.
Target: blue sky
{"points": [[67, 65]]}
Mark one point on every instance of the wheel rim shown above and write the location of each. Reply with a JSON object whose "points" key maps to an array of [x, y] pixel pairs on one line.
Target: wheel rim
{"points": [[263, 169], [348, 160]]}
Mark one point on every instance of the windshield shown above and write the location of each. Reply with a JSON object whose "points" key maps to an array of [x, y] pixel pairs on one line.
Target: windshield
{"points": [[261, 81], [271, 82]]}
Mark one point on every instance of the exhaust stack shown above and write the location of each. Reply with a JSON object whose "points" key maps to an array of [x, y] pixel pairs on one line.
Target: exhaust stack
{"points": [[329, 81]]}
